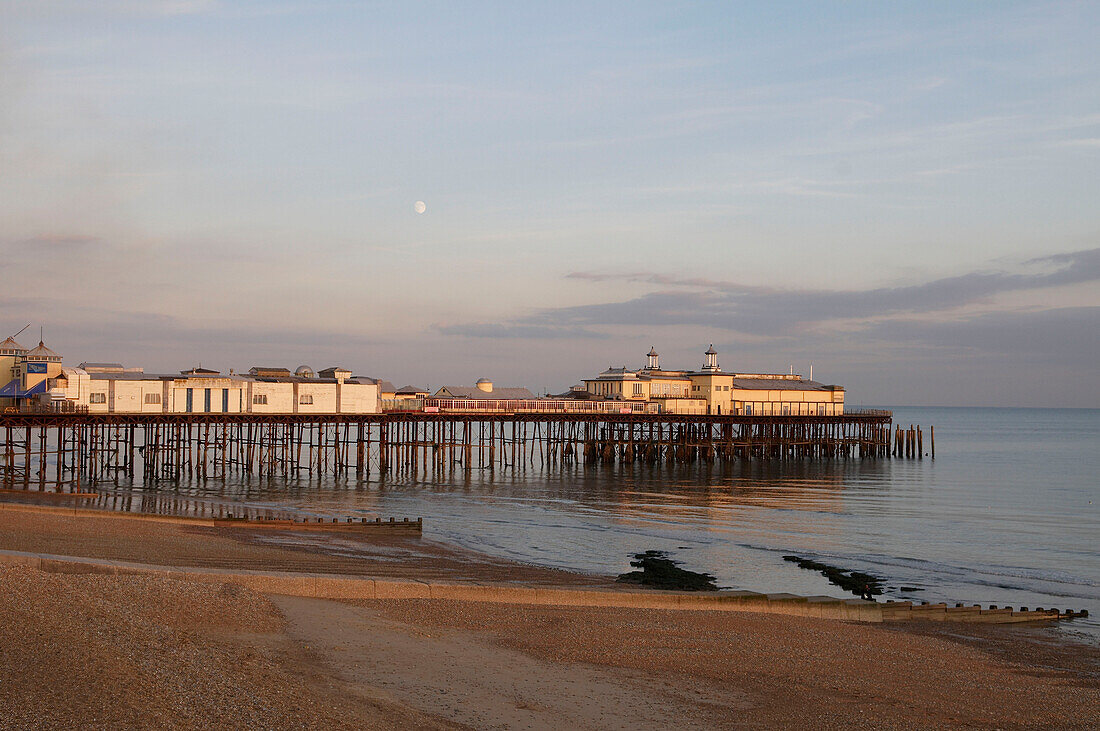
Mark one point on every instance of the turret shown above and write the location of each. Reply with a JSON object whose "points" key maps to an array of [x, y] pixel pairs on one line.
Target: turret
{"points": [[710, 362], [651, 363]]}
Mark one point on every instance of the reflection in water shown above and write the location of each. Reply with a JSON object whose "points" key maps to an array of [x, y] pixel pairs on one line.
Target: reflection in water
{"points": [[1003, 515]]}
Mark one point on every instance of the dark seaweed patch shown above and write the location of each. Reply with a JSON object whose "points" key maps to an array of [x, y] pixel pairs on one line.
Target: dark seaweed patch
{"points": [[853, 581], [661, 572]]}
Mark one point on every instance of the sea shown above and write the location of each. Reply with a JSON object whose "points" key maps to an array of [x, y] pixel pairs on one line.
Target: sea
{"points": [[1007, 513]]}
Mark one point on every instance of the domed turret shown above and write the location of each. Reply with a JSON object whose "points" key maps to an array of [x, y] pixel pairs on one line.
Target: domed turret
{"points": [[651, 363], [484, 384], [711, 360], [304, 371]]}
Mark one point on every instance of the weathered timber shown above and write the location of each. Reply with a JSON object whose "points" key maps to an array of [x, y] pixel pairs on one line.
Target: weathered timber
{"points": [[90, 449]]}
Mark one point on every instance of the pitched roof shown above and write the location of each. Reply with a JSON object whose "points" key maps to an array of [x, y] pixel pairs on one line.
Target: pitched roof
{"points": [[473, 392], [10, 344], [269, 371], [411, 389], [777, 384], [41, 351]]}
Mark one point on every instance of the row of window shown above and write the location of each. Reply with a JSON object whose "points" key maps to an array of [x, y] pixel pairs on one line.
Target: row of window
{"points": [[716, 388], [101, 398], [260, 399]]}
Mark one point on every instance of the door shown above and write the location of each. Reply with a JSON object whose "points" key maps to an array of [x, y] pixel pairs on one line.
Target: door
{"points": [[225, 400], [206, 400], [190, 400]]}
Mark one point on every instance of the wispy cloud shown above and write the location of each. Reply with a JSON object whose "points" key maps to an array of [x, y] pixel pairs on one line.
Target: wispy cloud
{"points": [[54, 241], [770, 311]]}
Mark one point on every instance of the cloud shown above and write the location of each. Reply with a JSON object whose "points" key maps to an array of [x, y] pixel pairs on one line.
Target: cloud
{"points": [[773, 312], [765, 310], [55, 241], [1085, 142], [1052, 335], [538, 332]]}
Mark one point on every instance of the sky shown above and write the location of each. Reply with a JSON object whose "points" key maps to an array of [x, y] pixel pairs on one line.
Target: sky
{"points": [[904, 195]]}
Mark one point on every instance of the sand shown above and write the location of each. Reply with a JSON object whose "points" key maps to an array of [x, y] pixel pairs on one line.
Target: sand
{"points": [[136, 652], [44, 531], [104, 651]]}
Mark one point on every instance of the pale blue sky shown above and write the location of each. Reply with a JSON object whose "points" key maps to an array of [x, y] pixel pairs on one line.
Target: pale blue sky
{"points": [[904, 194]]}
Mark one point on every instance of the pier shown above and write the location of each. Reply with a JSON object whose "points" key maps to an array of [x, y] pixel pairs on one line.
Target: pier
{"points": [[65, 451]]}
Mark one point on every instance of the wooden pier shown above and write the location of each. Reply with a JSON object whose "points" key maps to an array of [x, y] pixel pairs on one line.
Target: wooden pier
{"points": [[66, 451]]}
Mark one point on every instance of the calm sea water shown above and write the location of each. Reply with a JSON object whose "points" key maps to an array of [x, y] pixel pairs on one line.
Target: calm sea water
{"points": [[1008, 513]]}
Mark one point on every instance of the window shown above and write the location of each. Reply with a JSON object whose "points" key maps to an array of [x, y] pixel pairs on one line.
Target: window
{"points": [[786, 411], [259, 399], [97, 398], [306, 399], [637, 389], [152, 398]]}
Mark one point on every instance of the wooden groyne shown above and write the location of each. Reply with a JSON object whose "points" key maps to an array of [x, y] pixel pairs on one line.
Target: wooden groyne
{"points": [[208, 515], [329, 586], [74, 449]]}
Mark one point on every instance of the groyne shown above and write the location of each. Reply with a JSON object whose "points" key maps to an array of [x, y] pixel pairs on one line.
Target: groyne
{"points": [[328, 586]]}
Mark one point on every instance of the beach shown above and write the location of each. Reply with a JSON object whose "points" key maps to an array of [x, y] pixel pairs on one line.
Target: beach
{"points": [[101, 650]]}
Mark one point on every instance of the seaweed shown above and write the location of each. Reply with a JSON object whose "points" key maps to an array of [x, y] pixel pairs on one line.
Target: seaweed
{"points": [[853, 581], [661, 572]]}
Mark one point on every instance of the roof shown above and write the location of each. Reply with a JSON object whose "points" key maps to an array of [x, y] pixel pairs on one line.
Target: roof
{"points": [[574, 395], [656, 374], [10, 344], [617, 374], [386, 386], [411, 389], [269, 371], [711, 350], [652, 351], [473, 392], [41, 351], [778, 384], [125, 376], [12, 390]]}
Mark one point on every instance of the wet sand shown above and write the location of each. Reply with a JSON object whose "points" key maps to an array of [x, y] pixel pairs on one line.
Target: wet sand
{"points": [[109, 651], [170, 544]]}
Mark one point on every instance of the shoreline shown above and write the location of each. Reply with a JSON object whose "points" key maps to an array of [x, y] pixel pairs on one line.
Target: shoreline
{"points": [[433, 660], [500, 580]]}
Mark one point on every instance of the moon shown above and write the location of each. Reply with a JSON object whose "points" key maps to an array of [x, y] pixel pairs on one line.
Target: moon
{"points": [[420, 206]]}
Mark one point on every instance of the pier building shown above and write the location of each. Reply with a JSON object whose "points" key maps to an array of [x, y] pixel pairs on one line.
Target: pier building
{"points": [[25, 373], [11, 359], [710, 390], [111, 390]]}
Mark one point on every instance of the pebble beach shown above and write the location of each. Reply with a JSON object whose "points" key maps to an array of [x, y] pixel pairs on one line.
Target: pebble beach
{"points": [[110, 651]]}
